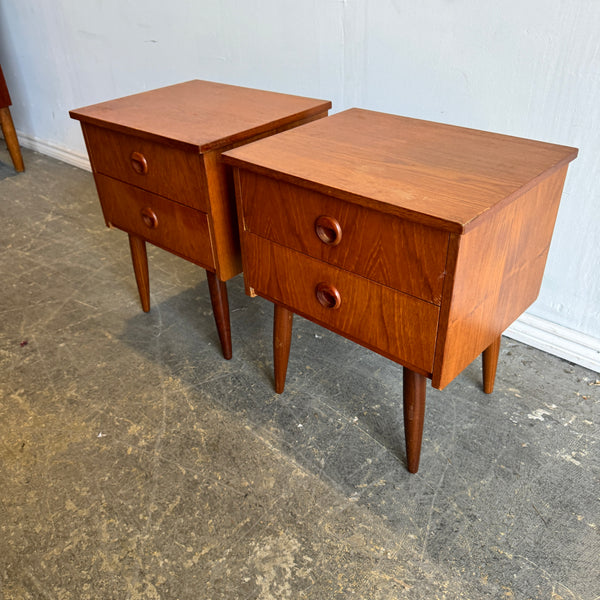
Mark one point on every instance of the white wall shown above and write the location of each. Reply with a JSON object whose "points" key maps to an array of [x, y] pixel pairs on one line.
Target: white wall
{"points": [[523, 67]]}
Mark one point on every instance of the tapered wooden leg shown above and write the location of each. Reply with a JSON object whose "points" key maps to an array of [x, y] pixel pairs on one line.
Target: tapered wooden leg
{"points": [[10, 137], [220, 305], [282, 338], [140, 268], [414, 415], [490, 362]]}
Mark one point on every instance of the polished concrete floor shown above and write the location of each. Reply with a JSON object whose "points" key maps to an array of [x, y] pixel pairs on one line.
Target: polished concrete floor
{"points": [[136, 463]]}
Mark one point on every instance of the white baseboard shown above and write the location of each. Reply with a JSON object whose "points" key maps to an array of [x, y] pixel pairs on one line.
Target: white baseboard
{"points": [[557, 340], [55, 151]]}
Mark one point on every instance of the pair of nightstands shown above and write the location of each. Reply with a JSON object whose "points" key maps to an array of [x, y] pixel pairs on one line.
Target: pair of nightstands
{"points": [[420, 241]]}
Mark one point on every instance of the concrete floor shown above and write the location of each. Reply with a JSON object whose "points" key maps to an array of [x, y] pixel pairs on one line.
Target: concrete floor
{"points": [[136, 463]]}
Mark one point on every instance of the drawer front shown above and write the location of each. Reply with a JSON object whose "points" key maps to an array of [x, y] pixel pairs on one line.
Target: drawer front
{"points": [[179, 229], [406, 256], [392, 323], [158, 168]]}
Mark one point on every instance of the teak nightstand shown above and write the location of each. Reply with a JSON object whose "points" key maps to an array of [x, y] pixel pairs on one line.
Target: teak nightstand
{"points": [[156, 162], [420, 241]]}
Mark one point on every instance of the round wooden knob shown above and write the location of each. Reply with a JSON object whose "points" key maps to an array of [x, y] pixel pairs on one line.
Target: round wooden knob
{"points": [[139, 163], [149, 217], [328, 295], [328, 230]]}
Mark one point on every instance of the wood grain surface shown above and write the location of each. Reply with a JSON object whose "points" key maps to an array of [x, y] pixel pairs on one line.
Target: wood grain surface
{"points": [[171, 172], [431, 173], [339, 214], [406, 256], [494, 274], [396, 325], [201, 115], [179, 229]]}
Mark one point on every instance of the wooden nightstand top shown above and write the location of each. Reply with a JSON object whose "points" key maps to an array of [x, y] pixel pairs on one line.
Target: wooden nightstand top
{"points": [[201, 115], [435, 174]]}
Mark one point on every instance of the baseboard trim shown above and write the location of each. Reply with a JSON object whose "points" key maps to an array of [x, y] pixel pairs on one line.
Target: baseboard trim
{"points": [[54, 150], [557, 340]]}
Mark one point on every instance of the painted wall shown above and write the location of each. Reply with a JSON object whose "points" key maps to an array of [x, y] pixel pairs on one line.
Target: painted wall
{"points": [[529, 68]]}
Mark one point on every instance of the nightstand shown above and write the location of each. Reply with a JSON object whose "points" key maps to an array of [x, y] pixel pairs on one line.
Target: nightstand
{"points": [[418, 240], [156, 162]]}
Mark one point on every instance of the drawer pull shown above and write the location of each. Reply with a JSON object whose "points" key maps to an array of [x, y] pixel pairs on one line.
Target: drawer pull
{"points": [[328, 295], [149, 217], [139, 163], [329, 230]]}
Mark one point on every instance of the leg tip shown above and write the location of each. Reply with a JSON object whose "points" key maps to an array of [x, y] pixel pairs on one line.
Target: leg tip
{"points": [[413, 466]]}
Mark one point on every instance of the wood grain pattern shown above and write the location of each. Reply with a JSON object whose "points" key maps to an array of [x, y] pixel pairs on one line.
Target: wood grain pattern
{"points": [[458, 217], [494, 274], [179, 131], [406, 256], [394, 324], [173, 173], [156, 160], [201, 115], [180, 229], [430, 173]]}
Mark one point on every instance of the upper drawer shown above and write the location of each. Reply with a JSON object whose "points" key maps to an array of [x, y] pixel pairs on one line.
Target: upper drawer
{"points": [[406, 256], [158, 168], [179, 229]]}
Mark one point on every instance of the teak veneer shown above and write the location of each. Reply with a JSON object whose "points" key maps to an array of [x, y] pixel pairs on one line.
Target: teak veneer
{"points": [[418, 240], [156, 162]]}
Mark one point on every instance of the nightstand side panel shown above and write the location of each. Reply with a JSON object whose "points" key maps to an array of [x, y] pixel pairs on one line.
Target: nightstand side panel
{"points": [[494, 274]]}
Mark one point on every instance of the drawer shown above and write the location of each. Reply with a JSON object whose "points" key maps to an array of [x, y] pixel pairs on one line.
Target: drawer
{"points": [[179, 229], [394, 324], [406, 256], [158, 168]]}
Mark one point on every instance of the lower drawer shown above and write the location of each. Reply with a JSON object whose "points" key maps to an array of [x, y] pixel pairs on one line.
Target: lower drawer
{"points": [[394, 324], [179, 229]]}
